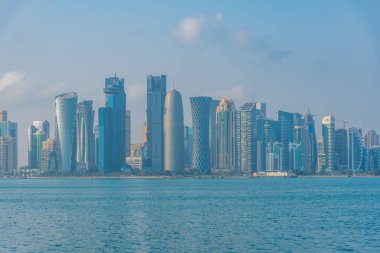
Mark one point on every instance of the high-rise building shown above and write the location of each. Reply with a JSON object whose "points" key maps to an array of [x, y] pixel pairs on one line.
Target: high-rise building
{"points": [[115, 100], [274, 156], [226, 136], [156, 92], [173, 132], [105, 139], [128, 133], [328, 133], [212, 131], [85, 135], [38, 138], [50, 158], [188, 142], [295, 157], [238, 141], [374, 158], [355, 149], [200, 110], [32, 147], [8, 146], [65, 110], [259, 136], [341, 149], [309, 143], [3, 116], [247, 142], [371, 139], [144, 139], [286, 121]]}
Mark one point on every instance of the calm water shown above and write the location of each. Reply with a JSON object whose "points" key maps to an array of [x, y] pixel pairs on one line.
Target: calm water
{"points": [[190, 215]]}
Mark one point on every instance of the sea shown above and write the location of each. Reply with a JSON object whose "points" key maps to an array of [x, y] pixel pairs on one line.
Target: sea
{"points": [[190, 215]]}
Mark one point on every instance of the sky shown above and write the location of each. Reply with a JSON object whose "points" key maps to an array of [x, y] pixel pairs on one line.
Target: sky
{"points": [[293, 55]]}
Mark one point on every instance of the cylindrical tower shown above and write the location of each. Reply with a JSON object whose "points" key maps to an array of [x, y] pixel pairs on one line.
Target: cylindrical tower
{"points": [[173, 132], [200, 110], [65, 110]]}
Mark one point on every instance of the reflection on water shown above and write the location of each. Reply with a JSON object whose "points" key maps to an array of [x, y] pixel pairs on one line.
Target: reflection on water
{"points": [[210, 215]]}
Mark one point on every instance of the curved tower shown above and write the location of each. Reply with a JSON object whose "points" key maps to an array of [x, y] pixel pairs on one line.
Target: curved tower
{"points": [[65, 110], [200, 110], [173, 132]]}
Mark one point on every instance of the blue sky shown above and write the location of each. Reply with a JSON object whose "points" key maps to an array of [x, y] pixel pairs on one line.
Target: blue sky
{"points": [[293, 55]]}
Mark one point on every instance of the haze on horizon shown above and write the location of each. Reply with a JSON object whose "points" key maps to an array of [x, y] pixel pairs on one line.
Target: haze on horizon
{"points": [[321, 55]]}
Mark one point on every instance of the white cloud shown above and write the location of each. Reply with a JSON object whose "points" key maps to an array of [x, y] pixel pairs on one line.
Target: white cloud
{"points": [[189, 29], [11, 79], [242, 38], [218, 17]]}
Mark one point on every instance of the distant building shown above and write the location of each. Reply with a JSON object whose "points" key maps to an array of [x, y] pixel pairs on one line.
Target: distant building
{"points": [[173, 132], [226, 136], [66, 109], [156, 92], [200, 110], [371, 139], [287, 122], [188, 143], [33, 149], [8, 146], [111, 127], [212, 133], [355, 149], [328, 133], [295, 157], [341, 149], [309, 143], [50, 157], [85, 135], [275, 152], [247, 142], [374, 158], [128, 133], [144, 129], [259, 136]]}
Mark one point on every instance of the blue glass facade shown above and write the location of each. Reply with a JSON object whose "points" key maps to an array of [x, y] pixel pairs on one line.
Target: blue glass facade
{"points": [[105, 139]]}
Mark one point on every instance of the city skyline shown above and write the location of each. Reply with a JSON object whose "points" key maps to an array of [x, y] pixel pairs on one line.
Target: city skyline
{"points": [[252, 51]]}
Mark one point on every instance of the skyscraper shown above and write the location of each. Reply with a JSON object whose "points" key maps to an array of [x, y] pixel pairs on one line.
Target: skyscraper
{"points": [[156, 92], [85, 135], [112, 119], [105, 140], [328, 133], [309, 143], [286, 121], [65, 110], [188, 138], [259, 136], [173, 132], [274, 156], [200, 110], [128, 133], [371, 139], [32, 147], [355, 149], [8, 146], [50, 158], [247, 142], [341, 149], [225, 136], [295, 157], [212, 132]]}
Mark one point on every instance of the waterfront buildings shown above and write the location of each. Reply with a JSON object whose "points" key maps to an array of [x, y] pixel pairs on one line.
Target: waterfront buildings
{"points": [[188, 146], [85, 136], [156, 92], [226, 136], [50, 158], [173, 133], [341, 149], [111, 127], [328, 133], [371, 139], [247, 142], [65, 110], [355, 149], [200, 110], [212, 133], [127, 133], [43, 127], [309, 144], [275, 152]]}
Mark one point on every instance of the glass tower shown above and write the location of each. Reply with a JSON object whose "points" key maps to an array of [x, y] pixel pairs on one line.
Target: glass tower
{"points": [[200, 110], [65, 110], [156, 92], [247, 141], [328, 133]]}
